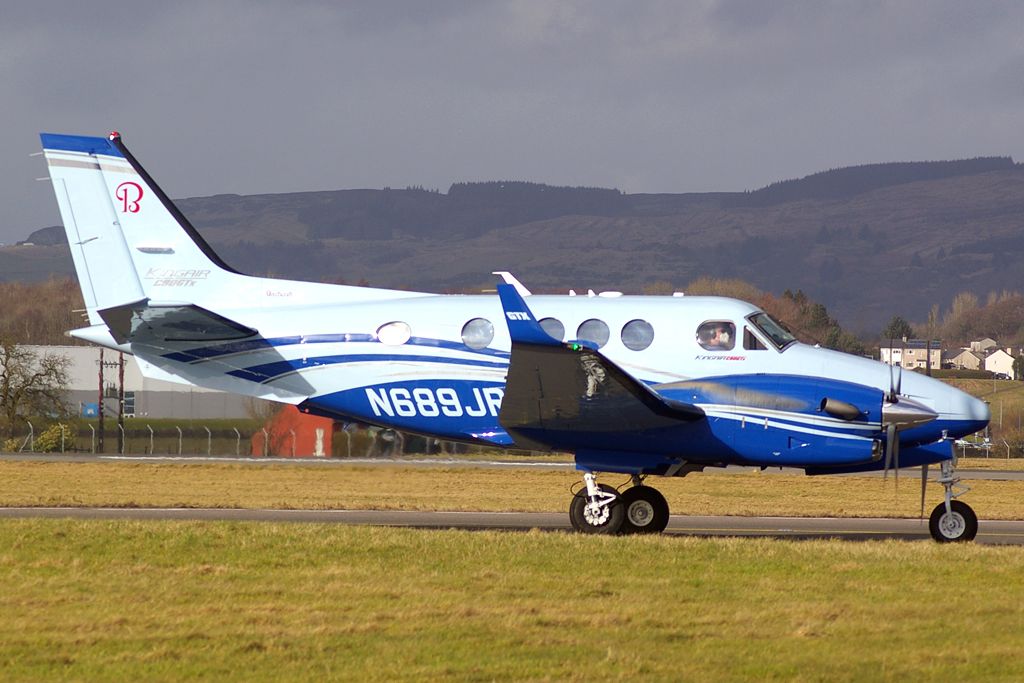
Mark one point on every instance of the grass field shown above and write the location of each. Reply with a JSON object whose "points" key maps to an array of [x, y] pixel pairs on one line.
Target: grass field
{"points": [[283, 485], [244, 601], [122, 600]]}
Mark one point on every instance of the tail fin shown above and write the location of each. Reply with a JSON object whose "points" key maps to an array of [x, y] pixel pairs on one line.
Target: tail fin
{"points": [[128, 241]]}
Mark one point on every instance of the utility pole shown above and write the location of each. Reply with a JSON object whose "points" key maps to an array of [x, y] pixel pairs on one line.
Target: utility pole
{"points": [[99, 406], [120, 402], [120, 396]]}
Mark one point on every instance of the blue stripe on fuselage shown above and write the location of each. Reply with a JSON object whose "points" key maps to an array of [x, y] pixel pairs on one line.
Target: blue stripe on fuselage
{"points": [[205, 353], [277, 369]]}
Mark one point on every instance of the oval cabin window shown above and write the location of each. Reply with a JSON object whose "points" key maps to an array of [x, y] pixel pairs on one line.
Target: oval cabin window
{"points": [[394, 333], [478, 333], [594, 330], [554, 328], [637, 335]]}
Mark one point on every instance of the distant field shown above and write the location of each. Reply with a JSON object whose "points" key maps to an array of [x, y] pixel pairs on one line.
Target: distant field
{"points": [[265, 602], [281, 485], [1006, 401]]}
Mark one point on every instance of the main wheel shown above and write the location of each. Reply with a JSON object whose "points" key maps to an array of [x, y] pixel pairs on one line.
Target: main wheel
{"points": [[605, 520], [957, 526], [645, 510]]}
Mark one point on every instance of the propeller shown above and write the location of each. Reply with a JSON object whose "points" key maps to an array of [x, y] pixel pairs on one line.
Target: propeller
{"points": [[892, 452], [924, 483], [895, 381], [892, 442]]}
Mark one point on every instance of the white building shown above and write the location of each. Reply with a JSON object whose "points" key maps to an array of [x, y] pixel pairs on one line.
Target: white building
{"points": [[968, 360], [144, 397], [1000, 362], [913, 354]]}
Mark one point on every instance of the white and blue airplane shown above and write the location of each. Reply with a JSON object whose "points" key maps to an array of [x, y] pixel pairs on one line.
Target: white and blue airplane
{"points": [[636, 385]]}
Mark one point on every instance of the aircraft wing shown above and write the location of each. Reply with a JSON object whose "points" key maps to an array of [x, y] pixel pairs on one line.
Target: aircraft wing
{"points": [[568, 396], [153, 323]]}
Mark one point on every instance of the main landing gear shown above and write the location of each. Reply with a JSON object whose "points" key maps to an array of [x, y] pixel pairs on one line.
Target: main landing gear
{"points": [[600, 509], [952, 520]]}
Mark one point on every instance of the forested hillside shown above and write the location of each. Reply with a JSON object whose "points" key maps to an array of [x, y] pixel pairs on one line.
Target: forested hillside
{"points": [[868, 242]]}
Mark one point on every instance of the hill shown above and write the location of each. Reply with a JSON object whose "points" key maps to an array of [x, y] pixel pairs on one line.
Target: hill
{"points": [[868, 242]]}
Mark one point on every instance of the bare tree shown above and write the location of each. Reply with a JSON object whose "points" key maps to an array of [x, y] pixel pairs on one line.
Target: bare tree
{"points": [[30, 384]]}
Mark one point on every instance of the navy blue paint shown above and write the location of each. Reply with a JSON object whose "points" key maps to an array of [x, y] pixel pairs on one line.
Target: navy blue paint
{"points": [[79, 143], [270, 371], [526, 331], [353, 404], [205, 353]]}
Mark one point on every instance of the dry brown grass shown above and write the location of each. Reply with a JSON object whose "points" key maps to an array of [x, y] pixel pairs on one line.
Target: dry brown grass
{"points": [[398, 487]]}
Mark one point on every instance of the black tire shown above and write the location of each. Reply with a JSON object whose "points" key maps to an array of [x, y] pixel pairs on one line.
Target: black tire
{"points": [[645, 510], [959, 527], [611, 524]]}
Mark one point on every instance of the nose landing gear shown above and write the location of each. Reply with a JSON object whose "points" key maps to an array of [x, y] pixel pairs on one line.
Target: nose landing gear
{"points": [[952, 521]]}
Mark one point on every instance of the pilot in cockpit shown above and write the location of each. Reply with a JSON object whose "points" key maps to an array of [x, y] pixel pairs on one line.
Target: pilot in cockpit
{"points": [[716, 336]]}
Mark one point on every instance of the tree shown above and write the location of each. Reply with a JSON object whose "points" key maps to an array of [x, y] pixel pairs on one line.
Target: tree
{"points": [[30, 384], [898, 328]]}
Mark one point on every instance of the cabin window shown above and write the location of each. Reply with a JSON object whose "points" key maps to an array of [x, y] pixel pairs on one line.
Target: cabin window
{"points": [[554, 328], [717, 335], [776, 333], [394, 333], [594, 330], [751, 342], [637, 335], [478, 333]]}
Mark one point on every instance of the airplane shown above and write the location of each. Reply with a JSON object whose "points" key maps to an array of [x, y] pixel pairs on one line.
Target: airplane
{"points": [[630, 385]]}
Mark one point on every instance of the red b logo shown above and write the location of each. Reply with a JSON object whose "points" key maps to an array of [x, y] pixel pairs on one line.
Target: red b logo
{"points": [[130, 195]]}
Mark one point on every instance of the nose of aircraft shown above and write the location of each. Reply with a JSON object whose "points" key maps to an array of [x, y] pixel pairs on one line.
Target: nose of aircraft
{"points": [[970, 413]]}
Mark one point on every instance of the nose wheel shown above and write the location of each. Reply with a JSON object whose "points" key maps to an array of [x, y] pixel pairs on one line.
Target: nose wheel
{"points": [[952, 521], [957, 524]]}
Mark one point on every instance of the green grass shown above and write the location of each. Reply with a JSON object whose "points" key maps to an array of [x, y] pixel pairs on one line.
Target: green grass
{"points": [[101, 600]]}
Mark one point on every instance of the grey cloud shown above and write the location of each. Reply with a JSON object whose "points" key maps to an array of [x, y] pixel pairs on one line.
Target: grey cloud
{"points": [[648, 96]]}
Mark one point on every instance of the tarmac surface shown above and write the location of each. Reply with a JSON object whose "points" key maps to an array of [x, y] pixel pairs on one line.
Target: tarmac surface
{"points": [[997, 532]]}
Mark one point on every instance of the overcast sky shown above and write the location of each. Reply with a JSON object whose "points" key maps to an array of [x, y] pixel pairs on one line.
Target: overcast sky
{"points": [[280, 96]]}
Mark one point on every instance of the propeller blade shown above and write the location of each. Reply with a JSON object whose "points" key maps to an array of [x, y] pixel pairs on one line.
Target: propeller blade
{"points": [[896, 459], [899, 379], [890, 438], [924, 484]]}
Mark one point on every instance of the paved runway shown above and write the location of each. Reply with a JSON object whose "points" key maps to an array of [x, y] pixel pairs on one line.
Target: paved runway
{"points": [[851, 529]]}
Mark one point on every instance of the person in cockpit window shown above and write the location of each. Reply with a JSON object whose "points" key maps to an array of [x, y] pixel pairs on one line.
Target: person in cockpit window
{"points": [[716, 336]]}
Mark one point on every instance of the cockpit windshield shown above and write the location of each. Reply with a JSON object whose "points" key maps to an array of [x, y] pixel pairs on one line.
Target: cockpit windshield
{"points": [[778, 334]]}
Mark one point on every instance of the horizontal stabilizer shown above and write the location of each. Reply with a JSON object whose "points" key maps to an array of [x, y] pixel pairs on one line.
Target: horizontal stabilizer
{"points": [[565, 396], [148, 322]]}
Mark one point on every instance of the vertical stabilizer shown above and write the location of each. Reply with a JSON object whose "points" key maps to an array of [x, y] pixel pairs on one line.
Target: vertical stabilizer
{"points": [[82, 169], [128, 240]]}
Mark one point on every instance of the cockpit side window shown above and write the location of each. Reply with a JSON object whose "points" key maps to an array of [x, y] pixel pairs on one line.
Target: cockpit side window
{"points": [[774, 331], [717, 335], [751, 342]]}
